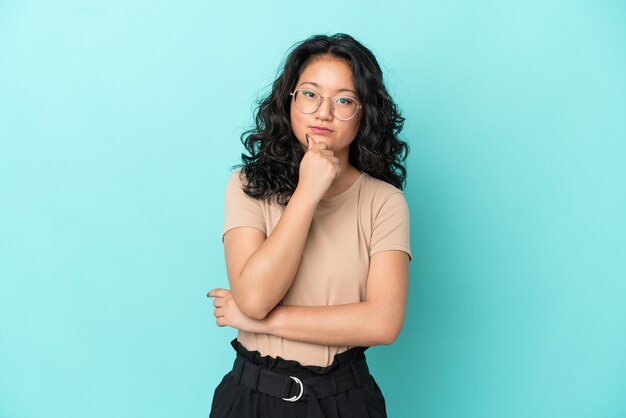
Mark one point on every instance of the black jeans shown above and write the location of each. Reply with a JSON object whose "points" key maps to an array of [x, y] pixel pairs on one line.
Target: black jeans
{"points": [[234, 399]]}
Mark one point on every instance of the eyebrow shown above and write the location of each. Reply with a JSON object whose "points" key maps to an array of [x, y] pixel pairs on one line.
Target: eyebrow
{"points": [[317, 85]]}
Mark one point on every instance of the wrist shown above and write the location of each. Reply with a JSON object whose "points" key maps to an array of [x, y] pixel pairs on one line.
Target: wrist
{"points": [[273, 321], [303, 199]]}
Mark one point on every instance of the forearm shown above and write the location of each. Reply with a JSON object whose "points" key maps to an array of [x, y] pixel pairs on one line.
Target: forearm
{"points": [[376, 321], [269, 272], [354, 324]]}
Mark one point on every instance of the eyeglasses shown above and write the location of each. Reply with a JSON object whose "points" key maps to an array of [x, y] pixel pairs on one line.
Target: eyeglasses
{"points": [[342, 107]]}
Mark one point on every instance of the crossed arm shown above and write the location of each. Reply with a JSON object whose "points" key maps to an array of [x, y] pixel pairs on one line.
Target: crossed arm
{"points": [[376, 321]]}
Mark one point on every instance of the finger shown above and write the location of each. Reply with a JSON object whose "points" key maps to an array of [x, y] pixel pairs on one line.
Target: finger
{"points": [[327, 152], [217, 293], [218, 313], [220, 322], [217, 302], [310, 141]]}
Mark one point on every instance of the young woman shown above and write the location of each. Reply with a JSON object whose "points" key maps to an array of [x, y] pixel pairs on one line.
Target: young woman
{"points": [[316, 239]]}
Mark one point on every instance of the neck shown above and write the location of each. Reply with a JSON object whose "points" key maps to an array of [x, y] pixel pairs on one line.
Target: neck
{"points": [[349, 174]]}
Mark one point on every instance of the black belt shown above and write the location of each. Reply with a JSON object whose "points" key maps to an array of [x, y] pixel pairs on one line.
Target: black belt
{"points": [[346, 376]]}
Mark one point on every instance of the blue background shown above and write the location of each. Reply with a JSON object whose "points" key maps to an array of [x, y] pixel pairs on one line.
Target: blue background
{"points": [[120, 120]]}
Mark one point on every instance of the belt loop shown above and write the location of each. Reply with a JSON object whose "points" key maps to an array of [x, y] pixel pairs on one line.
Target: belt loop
{"points": [[238, 370], [286, 389], [355, 372], [257, 373], [333, 385]]}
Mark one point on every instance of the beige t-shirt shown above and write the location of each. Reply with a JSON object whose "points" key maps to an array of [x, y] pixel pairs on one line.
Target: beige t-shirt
{"points": [[346, 230]]}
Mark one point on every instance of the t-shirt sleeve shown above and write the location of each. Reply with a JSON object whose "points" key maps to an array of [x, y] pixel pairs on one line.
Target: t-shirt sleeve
{"points": [[390, 230], [241, 209]]}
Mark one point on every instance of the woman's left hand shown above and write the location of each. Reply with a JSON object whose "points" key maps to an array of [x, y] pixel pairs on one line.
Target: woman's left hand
{"points": [[228, 314]]}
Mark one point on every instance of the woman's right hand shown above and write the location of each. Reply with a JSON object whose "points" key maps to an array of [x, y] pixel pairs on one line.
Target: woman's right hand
{"points": [[318, 169]]}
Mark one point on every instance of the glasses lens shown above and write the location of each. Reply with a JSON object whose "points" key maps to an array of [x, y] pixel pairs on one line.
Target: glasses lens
{"points": [[307, 101], [344, 107]]}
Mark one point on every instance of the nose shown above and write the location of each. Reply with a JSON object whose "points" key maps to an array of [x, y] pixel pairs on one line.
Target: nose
{"points": [[323, 112]]}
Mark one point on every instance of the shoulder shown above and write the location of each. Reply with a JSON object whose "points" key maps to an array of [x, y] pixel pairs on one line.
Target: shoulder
{"points": [[236, 182], [235, 185], [236, 178]]}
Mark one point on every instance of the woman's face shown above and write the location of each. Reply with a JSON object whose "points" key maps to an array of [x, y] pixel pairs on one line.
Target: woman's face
{"points": [[328, 77]]}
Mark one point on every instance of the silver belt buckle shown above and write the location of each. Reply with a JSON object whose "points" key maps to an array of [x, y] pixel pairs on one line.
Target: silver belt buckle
{"points": [[295, 398]]}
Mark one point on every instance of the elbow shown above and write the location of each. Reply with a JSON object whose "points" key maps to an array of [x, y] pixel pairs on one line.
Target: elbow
{"points": [[389, 330], [251, 301], [389, 337], [251, 307], [255, 313]]}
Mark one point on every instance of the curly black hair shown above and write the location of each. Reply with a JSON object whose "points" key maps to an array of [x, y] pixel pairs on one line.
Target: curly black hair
{"points": [[272, 168]]}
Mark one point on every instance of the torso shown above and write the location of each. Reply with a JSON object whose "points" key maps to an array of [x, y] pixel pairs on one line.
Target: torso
{"points": [[334, 266]]}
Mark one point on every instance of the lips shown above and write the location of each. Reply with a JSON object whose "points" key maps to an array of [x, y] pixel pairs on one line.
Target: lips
{"points": [[320, 130]]}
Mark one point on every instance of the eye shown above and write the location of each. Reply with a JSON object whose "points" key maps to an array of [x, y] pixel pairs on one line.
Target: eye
{"points": [[345, 101], [309, 94]]}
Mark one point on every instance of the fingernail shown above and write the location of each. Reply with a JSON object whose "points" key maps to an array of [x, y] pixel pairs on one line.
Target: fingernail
{"points": [[307, 138]]}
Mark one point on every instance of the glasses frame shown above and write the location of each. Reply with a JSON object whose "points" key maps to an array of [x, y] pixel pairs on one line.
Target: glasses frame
{"points": [[332, 106]]}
